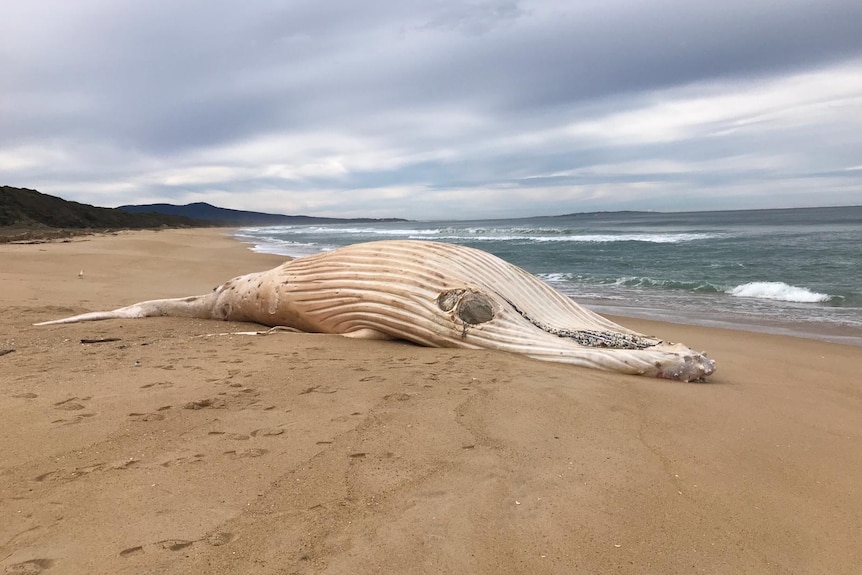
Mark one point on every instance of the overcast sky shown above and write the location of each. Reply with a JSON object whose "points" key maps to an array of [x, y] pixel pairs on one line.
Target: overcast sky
{"points": [[435, 109]]}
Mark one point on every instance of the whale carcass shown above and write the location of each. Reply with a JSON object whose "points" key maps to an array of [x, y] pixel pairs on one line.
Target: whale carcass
{"points": [[432, 294]]}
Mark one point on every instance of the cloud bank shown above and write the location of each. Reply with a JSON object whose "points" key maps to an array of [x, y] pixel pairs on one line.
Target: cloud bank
{"points": [[435, 110]]}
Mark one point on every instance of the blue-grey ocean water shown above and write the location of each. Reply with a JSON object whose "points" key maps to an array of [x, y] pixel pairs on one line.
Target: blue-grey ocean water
{"points": [[795, 271]]}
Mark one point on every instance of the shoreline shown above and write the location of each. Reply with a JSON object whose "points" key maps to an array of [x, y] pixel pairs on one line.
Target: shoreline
{"points": [[619, 313], [179, 445], [819, 331]]}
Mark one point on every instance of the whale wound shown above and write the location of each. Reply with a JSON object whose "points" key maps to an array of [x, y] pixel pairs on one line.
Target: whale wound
{"points": [[472, 308]]}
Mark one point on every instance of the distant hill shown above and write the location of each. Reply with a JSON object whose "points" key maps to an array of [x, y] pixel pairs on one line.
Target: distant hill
{"points": [[208, 212], [25, 208], [29, 214]]}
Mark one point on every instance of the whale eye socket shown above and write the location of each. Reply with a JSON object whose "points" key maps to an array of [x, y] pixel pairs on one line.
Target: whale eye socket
{"points": [[470, 307], [475, 308]]}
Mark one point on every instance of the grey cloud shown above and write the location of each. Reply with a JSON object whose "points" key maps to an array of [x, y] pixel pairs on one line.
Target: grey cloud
{"points": [[447, 86]]}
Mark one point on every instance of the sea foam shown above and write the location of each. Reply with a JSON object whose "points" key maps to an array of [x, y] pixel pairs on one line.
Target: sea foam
{"points": [[778, 291], [667, 238]]}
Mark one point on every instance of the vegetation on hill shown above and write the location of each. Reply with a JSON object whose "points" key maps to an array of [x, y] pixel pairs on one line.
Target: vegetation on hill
{"points": [[21, 207], [205, 211], [28, 215]]}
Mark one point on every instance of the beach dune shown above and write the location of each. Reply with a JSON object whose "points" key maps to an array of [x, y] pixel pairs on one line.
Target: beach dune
{"points": [[176, 445]]}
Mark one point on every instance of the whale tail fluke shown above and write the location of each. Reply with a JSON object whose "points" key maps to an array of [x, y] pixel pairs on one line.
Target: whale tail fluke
{"points": [[194, 306], [91, 316]]}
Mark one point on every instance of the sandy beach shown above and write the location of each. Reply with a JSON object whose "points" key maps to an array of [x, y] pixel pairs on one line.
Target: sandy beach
{"points": [[178, 446]]}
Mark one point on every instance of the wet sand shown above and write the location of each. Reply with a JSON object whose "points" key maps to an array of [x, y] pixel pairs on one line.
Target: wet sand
{"points": [[177, 447]]}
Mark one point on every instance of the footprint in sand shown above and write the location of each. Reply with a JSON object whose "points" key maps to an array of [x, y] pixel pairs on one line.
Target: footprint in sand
{"points": [[174, 544], [31, 567], [147, 416], [220, 538], [69, 474], [126, 463], [318, 389], [244, 453], [184, 459], [70, 404], [166, 545], [267, 432], [206, 403], [131, 551], [158, 383], [215, 539], [73, 404], [79, 417]]}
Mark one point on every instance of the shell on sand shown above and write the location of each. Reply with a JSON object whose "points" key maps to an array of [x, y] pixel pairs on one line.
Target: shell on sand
{"points": [[432, 294]]}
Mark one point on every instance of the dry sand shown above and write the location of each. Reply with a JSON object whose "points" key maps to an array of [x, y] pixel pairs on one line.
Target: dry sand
{"points": [[176, 449]]}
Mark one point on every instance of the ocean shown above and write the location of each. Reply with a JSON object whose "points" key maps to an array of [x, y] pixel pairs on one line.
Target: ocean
{"points": [[792, 271]]}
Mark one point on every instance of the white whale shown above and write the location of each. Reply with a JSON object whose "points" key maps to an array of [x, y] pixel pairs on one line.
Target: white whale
{"points": [[431, 294]]}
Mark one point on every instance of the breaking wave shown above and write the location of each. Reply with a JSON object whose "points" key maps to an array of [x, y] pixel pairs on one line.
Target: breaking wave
{"points": [[584, 238], [778, 291]]}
